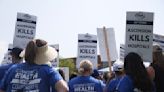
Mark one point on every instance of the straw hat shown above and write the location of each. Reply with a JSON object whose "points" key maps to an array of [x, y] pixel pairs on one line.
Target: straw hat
{"points": [[45, 54]]}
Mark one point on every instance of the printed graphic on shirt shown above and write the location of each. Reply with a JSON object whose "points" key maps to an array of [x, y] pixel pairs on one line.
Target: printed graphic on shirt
{"points": [[26, 81], [89, 87]]}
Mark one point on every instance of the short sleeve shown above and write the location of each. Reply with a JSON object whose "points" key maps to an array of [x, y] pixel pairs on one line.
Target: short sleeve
{"points": [[54, 77], [111, 85], [6, 79], [126, 85]]}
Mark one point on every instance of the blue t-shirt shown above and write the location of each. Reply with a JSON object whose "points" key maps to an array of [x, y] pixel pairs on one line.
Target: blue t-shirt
{"points": [[33, 78], [123, 83], [85, 84], [3, 70]]}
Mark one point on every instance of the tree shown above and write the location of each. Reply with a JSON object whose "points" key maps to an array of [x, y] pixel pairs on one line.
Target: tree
{"points": [[68, 63]]}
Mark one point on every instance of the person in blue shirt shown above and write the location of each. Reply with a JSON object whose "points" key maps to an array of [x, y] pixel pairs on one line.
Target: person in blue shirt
{"points": [[136, 78], [136, 72], [119, 79], [85, 82], [15, 60], [36, 74]]}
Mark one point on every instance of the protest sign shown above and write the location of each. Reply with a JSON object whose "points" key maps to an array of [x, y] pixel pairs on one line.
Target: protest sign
{"points": [[66, 72], [107, 45], [139, 34], [25, 30], [87, 49], [55, 62], [111, 43], [159, 39], [7, 57]]}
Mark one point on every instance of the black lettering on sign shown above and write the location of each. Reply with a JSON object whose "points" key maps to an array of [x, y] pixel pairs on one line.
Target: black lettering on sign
{"points": [[87, 51], [139, 38], [139, 30], [88, 41], [25, 31], [138, 46], [27, 21], [23, 36], [139, 22], [87, 56]]}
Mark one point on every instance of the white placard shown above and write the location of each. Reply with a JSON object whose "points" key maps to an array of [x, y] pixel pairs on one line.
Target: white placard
{"points": [[7, 57], [159, 39], [55, 62], [25, 30], [111, 44], [66, 72], [87, 49], [139, 34]]}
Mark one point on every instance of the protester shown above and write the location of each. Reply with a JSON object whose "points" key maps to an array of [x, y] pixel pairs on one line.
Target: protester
{"points": [[36, 74], [15, 52], [106, 77], [73, 75], [156, 69], [136, 79], [118, 68], [85, 82], [96, 74]]}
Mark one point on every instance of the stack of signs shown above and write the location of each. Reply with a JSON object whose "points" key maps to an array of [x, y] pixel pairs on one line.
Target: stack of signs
{"points": [[7, 57], [139, 34], [87, 49], [55, 62], [25, 30], [111, 43], [158, 39]]}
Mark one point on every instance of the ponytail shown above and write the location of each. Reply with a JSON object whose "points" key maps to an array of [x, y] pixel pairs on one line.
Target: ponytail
{"points": [[30, 52]]}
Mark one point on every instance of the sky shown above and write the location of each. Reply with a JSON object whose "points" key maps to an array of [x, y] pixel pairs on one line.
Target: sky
{"points": [[60, 21]]}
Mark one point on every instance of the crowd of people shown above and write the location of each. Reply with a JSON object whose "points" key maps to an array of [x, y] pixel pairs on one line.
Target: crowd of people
{"points": [[37, 75]]}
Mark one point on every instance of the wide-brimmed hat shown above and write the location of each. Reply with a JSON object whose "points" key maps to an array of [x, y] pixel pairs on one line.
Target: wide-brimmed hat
{"points": [[45, 54]]}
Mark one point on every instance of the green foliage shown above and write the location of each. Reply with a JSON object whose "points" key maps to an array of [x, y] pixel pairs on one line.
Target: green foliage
{"points": [[68, 63]]}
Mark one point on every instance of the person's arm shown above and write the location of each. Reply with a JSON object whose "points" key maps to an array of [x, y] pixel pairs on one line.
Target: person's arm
{"points": [[61, 86], [151, 72]]}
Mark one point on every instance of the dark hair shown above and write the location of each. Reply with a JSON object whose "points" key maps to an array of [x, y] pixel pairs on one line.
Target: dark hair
{"points": [[61, 72], [95, 73], [135, 68], [16, 51], [73, 75], [31, 50], [106, 77]]}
